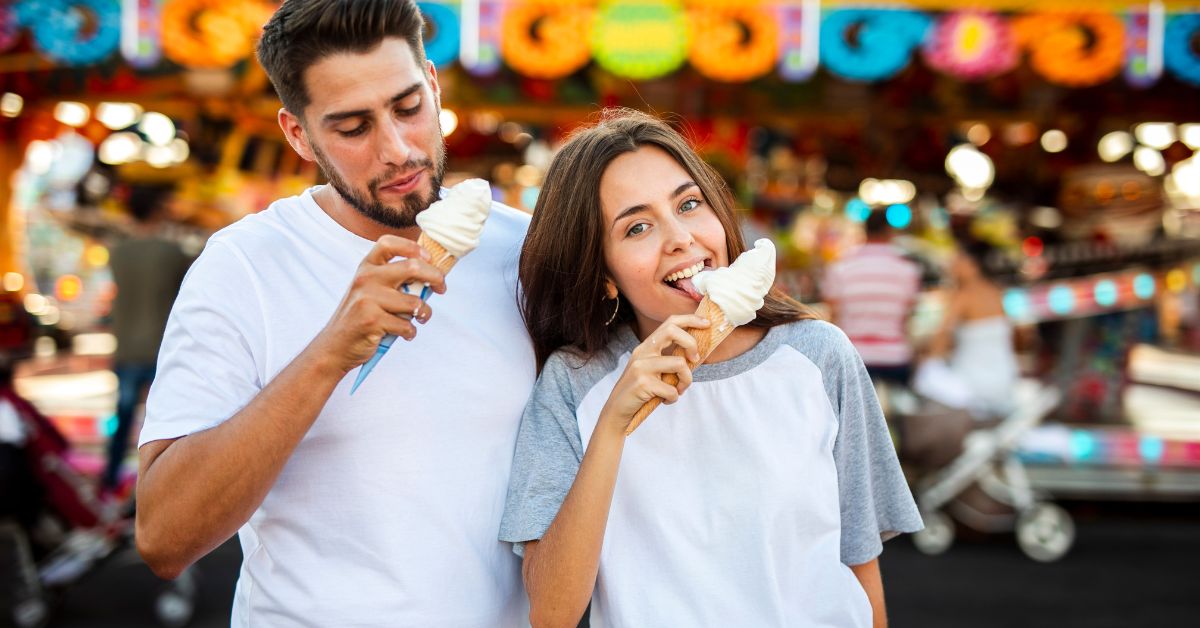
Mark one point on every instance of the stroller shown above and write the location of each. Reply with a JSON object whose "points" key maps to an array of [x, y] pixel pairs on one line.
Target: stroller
{"points": [[967, 471], [54, 529], [72, 532]]}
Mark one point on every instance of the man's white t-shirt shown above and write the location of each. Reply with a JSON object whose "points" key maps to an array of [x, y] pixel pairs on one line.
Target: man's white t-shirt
{"points": [[742, 504], [386, 513]]}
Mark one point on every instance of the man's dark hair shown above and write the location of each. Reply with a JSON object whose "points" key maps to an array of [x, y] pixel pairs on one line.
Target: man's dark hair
{"points": [[302, 32], [147, 201], [877, 224]]}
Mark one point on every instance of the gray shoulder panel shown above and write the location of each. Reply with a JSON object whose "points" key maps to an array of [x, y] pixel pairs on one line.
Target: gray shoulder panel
{"points": [[828, 348]]}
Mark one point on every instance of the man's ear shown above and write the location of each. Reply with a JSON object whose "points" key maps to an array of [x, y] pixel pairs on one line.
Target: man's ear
{"points": [[294, 131], [431, 71]]}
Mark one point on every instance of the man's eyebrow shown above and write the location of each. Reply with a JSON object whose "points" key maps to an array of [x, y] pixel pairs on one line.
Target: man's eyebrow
{"points": [[629, 211], [338, 116]]}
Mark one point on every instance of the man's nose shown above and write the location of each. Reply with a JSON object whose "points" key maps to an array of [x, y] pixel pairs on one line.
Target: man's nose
{"points": [[394, 148]]}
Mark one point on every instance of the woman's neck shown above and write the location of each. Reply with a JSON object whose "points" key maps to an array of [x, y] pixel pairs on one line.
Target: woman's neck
{"points": [[740, 341]]}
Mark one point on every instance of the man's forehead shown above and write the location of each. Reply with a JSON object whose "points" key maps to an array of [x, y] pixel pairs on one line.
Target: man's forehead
{"points": [[359, 80]]}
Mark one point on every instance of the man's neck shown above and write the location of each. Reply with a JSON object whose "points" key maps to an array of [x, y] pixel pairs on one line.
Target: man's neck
{"points": [[351, 220]]}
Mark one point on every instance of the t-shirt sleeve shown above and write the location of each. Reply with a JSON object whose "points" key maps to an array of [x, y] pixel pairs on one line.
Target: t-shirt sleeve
{"points": [[547, 457], [207, 363], [876, 503]]}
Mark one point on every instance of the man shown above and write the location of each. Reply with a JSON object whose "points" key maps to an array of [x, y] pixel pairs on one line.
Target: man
{"points": [[147, 269], [871, 293], [382, 508]]}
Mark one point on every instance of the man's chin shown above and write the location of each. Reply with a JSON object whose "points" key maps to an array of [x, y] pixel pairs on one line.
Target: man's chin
{"points": [[402, 216], [411, 202], [398, 218], [384, 215]]}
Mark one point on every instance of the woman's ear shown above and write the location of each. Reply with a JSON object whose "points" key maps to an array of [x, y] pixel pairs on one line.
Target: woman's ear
{"points": [[610, 289]]}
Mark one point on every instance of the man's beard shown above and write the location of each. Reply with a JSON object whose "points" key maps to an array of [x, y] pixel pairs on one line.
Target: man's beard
{"points": [[370, 206]]}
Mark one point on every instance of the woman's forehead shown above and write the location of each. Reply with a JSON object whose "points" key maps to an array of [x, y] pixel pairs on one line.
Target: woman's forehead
{"points": [[644, 176]]}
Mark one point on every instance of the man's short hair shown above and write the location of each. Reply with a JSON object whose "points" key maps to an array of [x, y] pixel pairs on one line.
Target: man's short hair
{"points": [[877, 223], [303, 32], [148, 200]]}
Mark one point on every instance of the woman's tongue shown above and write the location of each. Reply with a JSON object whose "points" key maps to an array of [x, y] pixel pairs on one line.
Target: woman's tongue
{"points": [[685, 285]]}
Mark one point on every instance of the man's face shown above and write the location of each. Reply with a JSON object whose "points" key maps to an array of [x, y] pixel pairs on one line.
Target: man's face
{"points": [[372, 125]]}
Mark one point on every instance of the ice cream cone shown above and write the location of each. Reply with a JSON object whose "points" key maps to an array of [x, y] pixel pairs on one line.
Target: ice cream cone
{"points": [[706, 341], [439, 256], [450, 228]]}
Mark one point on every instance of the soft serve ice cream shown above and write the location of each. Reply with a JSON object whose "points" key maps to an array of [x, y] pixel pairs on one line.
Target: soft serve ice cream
{"points": [[457, 220], [739, 288], [450, 228], [732, 297]]}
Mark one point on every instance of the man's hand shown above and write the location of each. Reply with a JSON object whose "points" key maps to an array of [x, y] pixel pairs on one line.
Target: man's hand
{"points": [[374, 306]]}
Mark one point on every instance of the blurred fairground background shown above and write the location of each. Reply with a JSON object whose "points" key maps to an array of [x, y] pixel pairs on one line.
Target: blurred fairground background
{"points": [[1062, 136]]}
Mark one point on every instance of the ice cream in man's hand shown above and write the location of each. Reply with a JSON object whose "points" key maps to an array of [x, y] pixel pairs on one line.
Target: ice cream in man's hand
{"points": [[450, 227], [732, 297]]}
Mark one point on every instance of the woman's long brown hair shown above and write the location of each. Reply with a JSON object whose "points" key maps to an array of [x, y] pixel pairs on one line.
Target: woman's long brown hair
{"points": [[562, 267]]}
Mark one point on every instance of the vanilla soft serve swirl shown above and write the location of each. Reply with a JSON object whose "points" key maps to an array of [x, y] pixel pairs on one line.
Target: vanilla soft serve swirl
{"points": [[739, 288], [456, 221]]}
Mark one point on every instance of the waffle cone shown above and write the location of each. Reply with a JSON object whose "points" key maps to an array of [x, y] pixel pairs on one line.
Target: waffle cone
{"points": [[706, 341], [440, 257], [719, 330]]}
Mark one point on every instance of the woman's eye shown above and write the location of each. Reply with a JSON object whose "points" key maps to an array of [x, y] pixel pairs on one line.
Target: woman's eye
{"points": [[636, 229], [689, 205]]}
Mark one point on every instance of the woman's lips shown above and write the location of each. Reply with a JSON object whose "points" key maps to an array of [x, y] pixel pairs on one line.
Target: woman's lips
{"points": [[685, 287]]}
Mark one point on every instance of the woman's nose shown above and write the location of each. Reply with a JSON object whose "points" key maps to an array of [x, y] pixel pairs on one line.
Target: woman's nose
{"points": [[677, 237]]}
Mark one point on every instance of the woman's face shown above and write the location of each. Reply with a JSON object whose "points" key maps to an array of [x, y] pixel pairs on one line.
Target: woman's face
{"points": [[659, 232]]}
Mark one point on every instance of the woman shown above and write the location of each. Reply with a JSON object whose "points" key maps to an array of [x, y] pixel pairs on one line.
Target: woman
{"points": [[971, 364], [759, 495]]}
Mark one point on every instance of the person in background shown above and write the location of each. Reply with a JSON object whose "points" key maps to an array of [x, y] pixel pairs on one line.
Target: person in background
{"points": [[971, 364], [147, 269], [871, 293]]}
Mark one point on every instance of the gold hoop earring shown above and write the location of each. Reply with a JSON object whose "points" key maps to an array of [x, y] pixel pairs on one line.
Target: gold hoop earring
{"points": [[616, 309]]}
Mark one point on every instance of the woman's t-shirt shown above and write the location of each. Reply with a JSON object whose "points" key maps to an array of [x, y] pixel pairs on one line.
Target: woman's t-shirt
{"points": [[741, 504]]}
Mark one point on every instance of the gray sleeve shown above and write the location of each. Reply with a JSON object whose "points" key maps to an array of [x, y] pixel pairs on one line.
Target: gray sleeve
{"points": [[548, 453], [876, 503]]}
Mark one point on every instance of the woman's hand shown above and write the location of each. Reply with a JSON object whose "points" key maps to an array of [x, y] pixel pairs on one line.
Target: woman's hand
{"points": [[666, 351]]}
